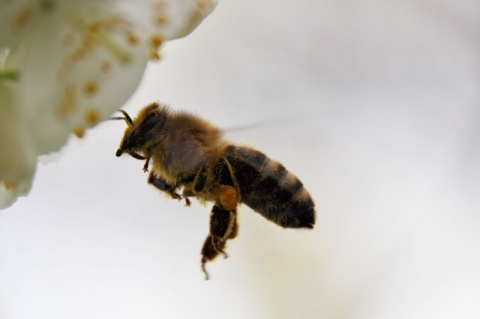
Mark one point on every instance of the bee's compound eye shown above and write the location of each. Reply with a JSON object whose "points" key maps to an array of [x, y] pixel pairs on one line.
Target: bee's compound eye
{"points": [[119, 152]]}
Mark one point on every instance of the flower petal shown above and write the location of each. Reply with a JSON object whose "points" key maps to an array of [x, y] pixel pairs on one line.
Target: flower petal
{"points": [[66, 65], [18, 159]]}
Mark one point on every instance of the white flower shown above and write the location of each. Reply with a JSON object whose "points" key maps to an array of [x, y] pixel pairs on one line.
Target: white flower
{"points": [[65, 65]]}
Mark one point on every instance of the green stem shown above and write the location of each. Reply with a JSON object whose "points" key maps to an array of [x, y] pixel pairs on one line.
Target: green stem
{"points": [[13, 75]]}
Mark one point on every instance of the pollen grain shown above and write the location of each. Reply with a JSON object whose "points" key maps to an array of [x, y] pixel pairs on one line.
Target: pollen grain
{"points": [[132, 38], [79, 132], [9, 186], [105, 66], [92, 117], [161, 19], [90, 88], [67, 104], [22, 18]]}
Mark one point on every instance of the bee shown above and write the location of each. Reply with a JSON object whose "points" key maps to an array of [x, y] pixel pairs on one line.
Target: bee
{"points": [[187, 154]]}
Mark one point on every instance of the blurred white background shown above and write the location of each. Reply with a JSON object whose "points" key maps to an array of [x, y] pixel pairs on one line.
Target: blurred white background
{"points": [[373, 104]]}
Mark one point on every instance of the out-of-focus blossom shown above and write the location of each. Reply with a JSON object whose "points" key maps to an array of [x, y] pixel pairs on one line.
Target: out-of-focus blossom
{"points": [[65, 65]]}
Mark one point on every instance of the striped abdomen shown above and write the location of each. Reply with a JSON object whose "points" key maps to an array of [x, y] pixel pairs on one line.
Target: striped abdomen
{"points": [[268, 188]]}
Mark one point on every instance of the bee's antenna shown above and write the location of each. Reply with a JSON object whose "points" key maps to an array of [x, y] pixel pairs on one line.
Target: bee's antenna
{"points": [[127, 118]]}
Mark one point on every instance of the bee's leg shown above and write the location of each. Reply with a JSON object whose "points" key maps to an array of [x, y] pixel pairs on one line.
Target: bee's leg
{"points": [[160, 184], [227, 194], [210, 252], [147, 154], [196, 186], [187, 192], [234, 231], [222, 227], [145, 166], [139, 157]]}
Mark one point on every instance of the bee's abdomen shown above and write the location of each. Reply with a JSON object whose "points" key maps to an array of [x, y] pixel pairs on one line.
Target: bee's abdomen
{"points": [[270, 189]]}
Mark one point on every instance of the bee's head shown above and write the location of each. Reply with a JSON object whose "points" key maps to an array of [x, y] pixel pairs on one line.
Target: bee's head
{"points": [[143, 130]]}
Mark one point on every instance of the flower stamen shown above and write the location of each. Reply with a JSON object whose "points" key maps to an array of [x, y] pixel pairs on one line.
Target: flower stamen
{"points": [[67, 104], [111, 46]]}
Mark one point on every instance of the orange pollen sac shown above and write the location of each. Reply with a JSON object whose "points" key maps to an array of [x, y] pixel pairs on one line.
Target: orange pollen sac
{"points": [[227, 195]]}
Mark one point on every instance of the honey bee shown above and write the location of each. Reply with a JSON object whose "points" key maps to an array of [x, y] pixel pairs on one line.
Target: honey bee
{"points": [[186, 153]]}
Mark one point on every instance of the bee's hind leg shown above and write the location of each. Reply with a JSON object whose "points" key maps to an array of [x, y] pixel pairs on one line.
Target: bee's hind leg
{"points": [[210, 251], [223, 226]]}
